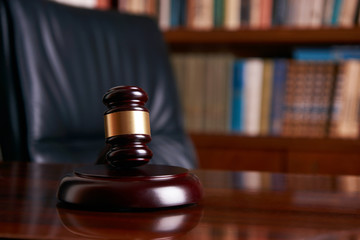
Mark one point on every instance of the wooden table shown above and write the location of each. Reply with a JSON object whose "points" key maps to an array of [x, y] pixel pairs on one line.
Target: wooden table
{"points": [[237, 205]]}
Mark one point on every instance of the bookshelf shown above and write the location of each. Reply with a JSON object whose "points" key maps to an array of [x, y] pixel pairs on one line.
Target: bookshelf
{"points": [[266, 153]]}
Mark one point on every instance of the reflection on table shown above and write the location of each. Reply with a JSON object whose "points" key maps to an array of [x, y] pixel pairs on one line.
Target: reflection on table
{"points": [[237, 205]]}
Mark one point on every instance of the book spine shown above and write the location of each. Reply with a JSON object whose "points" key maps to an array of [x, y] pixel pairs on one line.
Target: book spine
{"points": [[164, 14], [203, 15], [280, 10], [336, 12], [232, 14], [237, 122], [151, 7], [253, 74], [314, 54], [333, 54], [245, 12], [291, 16], [218, 13], [302, 13], [328, 11], [336, 102], [266, 13], [175, 13], [348, 13], [316, 14], [348, 120], [266, 97], [183, 12], [103, 4], [279, 79], [255, 13], [290, 113]]}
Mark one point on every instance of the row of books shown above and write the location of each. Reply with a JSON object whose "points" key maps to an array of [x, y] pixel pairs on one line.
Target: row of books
{"points": [[234, 14], [204, 85], [278, 97]]}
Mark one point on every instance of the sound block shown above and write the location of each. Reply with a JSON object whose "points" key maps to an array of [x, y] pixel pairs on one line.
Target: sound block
{"points": [[101, 187], [162, 224]]}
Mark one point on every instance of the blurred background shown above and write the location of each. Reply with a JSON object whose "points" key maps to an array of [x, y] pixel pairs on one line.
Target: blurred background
{"points": [[267, 85]]}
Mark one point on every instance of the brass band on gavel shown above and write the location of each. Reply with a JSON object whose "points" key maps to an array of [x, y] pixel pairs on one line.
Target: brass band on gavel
{"points": [[127, 122]]}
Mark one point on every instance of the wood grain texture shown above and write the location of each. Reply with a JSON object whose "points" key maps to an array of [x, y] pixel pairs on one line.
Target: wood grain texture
{"points": [[278, 154], [281, 35], [236, 205]]}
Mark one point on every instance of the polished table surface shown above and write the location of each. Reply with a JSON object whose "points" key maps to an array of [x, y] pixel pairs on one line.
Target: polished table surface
{"points": [[236, 205]]}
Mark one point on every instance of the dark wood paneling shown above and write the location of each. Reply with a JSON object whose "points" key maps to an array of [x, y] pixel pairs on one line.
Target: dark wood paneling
{"points": [[281, 35], [241, 160], [294, 155], [324, 163]]}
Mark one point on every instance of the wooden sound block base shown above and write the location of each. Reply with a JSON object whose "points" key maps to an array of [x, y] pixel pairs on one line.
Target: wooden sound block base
{"points": [[100, 187]]}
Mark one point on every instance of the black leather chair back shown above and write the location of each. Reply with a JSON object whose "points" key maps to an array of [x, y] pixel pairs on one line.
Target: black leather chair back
{"points": [[58, 61]]}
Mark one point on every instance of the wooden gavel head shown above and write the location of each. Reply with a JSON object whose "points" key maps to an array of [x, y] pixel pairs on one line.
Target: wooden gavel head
{"points": [[127, 127]]}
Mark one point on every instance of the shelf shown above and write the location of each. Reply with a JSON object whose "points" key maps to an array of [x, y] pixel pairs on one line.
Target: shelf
{"points": [[226, 141], [278, 154], [265, 36]]}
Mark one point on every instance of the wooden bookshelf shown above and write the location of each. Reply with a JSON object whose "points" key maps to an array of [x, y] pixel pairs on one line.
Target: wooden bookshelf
{"points": [[294, 155]]}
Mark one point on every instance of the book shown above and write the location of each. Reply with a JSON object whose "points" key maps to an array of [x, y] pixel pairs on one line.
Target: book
{"points": [[277, 98], [183, 13], [237, 115], [266, 94], [178, 63], [217, 93], [345, 119], [292, 12], [174, 13], [103, 4], [347, 13], [317, 13], [226, 94], [336, 12], [328, 11], [201, 15], [321, 97], [302, 14], [336, 102], [232, 14], [245, 12], [294, 107], [253, 76], [151, 7], [195, 97], [334, 53], [219, 13], [164, 14], [280, 11], [265, 13], [255, 13], [308, 98]]}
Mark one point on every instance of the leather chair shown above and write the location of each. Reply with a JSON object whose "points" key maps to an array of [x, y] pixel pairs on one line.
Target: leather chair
{"points": [[57, 62]]}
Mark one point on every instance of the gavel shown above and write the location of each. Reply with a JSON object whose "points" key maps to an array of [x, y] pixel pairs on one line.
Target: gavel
{"points": [[126, 181], [127, 127]]}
